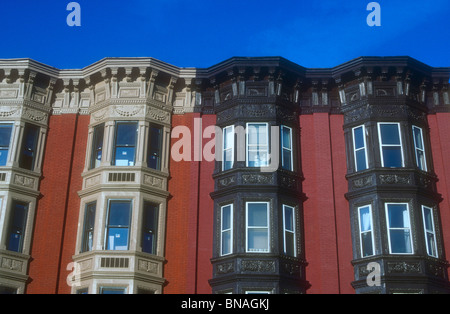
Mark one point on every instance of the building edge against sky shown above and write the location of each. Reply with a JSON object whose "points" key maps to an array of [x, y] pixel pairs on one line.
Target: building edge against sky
{"points": [[93, 200]]}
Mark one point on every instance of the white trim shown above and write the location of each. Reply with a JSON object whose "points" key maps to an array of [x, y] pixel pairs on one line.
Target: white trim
{"points": [[294, 231], [267, 227], [386, 205], [226, 230], [365, 147], [390, 145], [426, 231], [361, 232], [417, 148]]}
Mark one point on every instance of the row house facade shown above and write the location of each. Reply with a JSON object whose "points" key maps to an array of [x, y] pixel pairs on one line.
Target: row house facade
{"points": [[256, 175]]}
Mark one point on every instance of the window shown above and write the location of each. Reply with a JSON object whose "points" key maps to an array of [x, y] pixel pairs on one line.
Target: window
{"points": [[390, 145], [226, 230], [154, 148], [419, 148], [150, 228], [125, 143], [399, 228], [228, 148], [257, 144], [118, 227], [97, 146], [29, 144], [18, 221], [286, 148], [112, 290], [257, 217], [88, 228], [360, 148], [5, 140], [366, 231], [289, 231], [430, 234]]}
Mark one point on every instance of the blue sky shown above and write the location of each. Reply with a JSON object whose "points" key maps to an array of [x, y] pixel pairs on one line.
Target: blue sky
{"points": [[201, 33]]}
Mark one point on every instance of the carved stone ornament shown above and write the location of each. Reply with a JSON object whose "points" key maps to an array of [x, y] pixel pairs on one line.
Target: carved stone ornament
{"points": [[258, 266], [394, 179], [148, 266], [9, 111], [225, 268], [12, 264], [257, 179], [403, 267]]}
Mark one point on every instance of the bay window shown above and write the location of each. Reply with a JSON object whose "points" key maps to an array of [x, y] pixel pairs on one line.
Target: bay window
{"points": [[118, 226], [360, 148], [125, 143], [399, 228], [29, 145], [17, 224], [390, 145], [366, 235], [150, 228], [226, 230], [257, 227], [97, 146], [5, 141], [289, 231], [257, 145], [286, 148], [429, 231], [419, 148]]}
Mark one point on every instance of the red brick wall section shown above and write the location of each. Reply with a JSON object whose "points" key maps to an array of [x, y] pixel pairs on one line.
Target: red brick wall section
{"points": [[52, 211], [190, 217], [328, 245], [440, 146]]}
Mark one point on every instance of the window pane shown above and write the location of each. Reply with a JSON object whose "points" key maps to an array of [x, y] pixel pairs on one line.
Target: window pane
{"points": [[228, 159], [17, 226], [258, 158], [228, 137], [154, 148], [418, 140], [392, 157], [365, 219], [398, 216], [428, 220], [361, 163], [289, 218], [104, 290], [117, 239], [290, 245], [97, 146], [431, 244], [150, 228], [400, 241], [366, 243], [257, 215], [125, 156], [287, 161], [258, 239], [89, 223], [390, 134], [286, 133], [359, 137], [226, 242], [226, 217], [119, 213], [257, 134], [29, 144], [5, 138], [126, 133]]}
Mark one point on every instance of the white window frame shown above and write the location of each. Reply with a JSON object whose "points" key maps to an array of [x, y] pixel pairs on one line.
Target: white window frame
{"points": [[389, 228], [359, 149], [247, 145], [291, 166], [294, 231], [230, 230], [225, 149], [267, 227], [426, 231], [361, 232], [390, 145], [416, 148]]}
